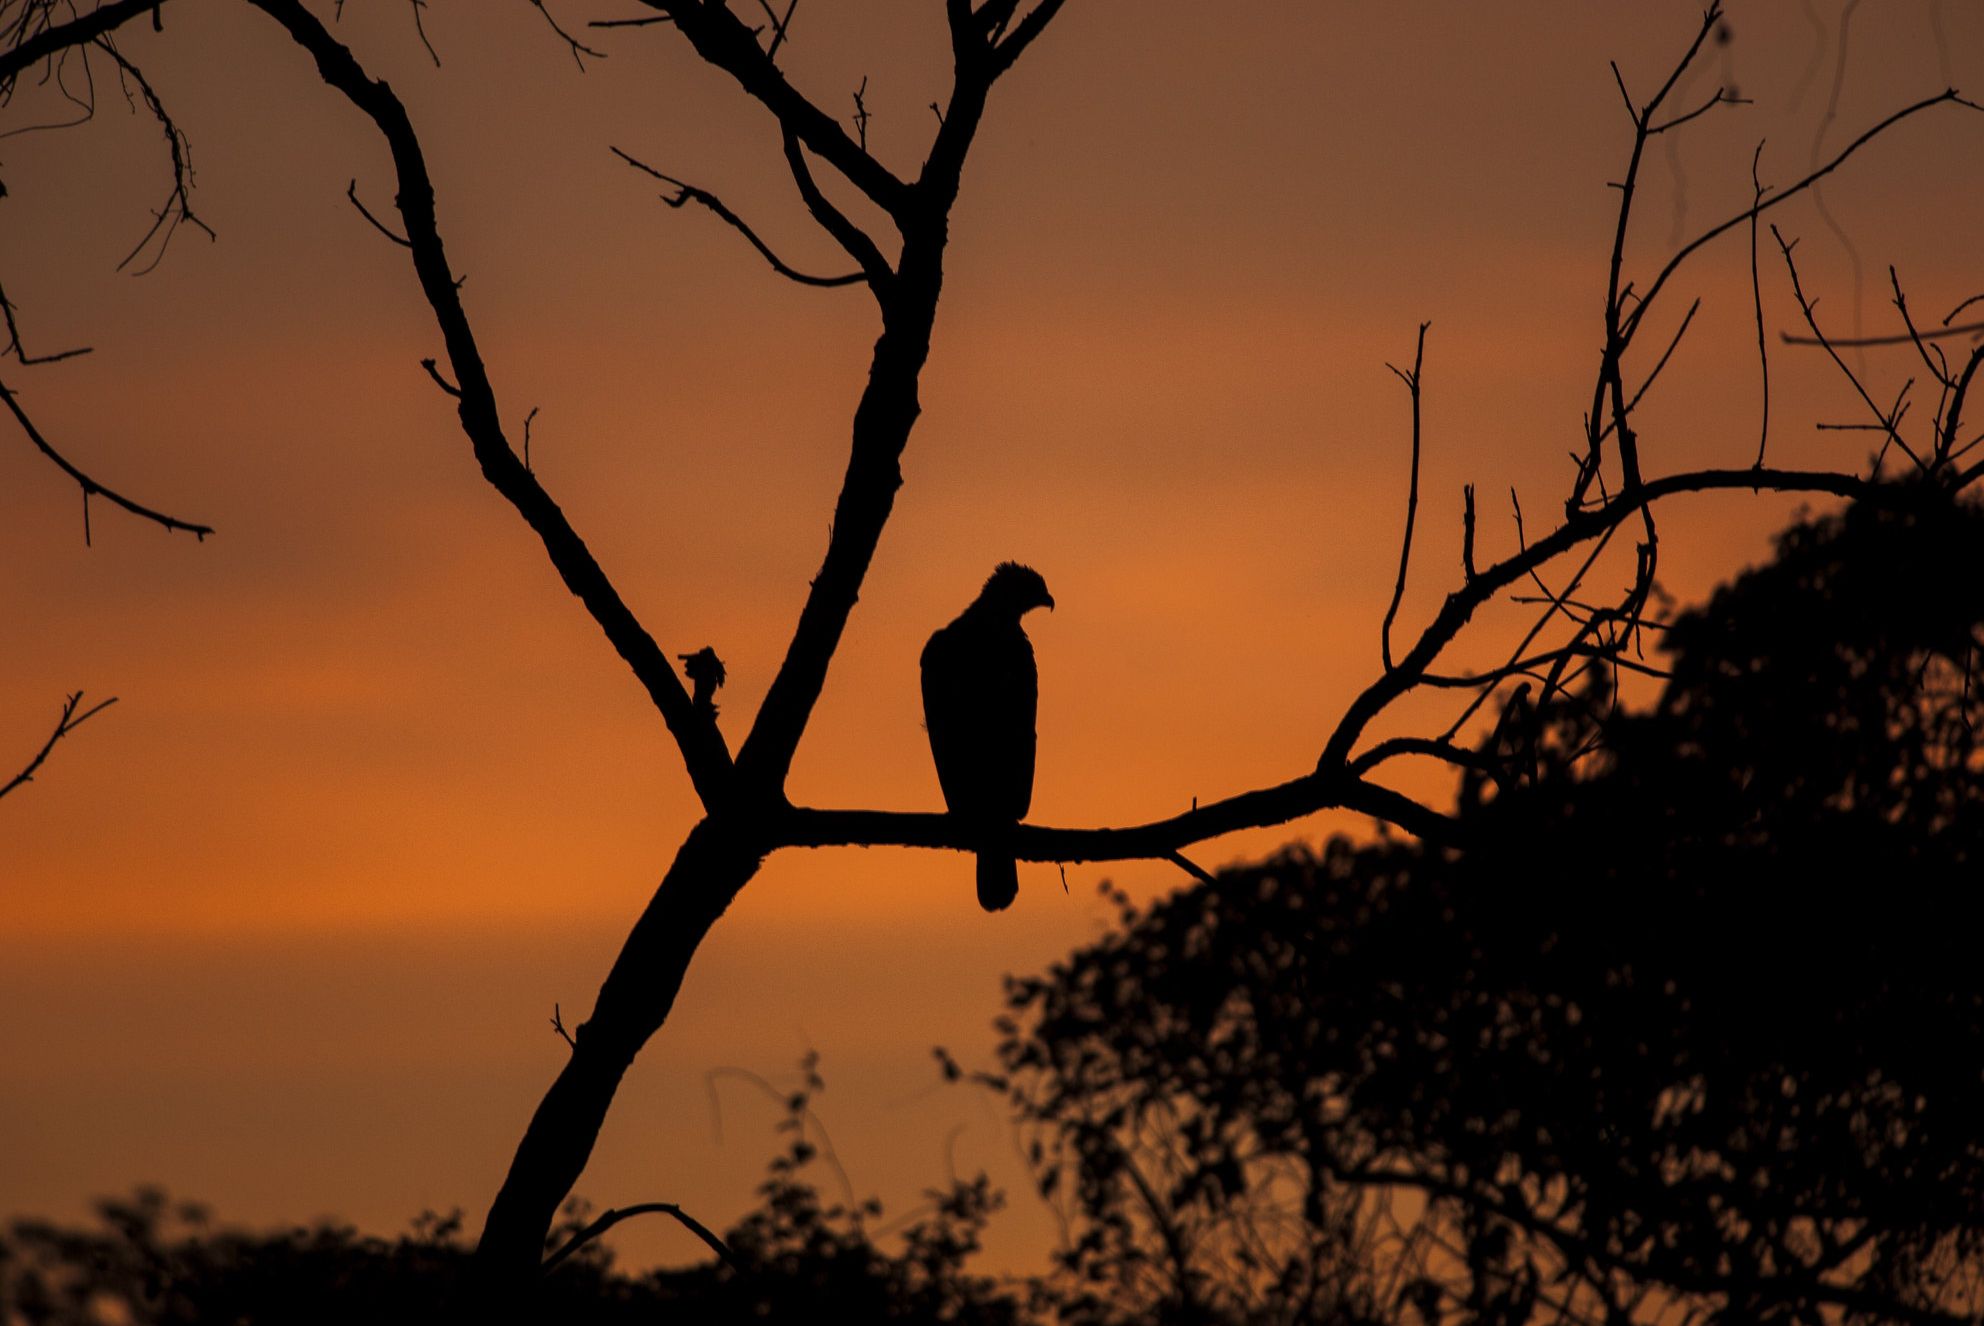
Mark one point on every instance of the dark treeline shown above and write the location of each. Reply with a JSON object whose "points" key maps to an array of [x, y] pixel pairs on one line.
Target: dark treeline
{"points": [[1686, 1027], [1691, 1030], [797, 1256]]}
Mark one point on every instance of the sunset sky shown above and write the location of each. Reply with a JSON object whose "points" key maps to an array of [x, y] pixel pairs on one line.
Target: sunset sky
{"points": [[283, 928]]}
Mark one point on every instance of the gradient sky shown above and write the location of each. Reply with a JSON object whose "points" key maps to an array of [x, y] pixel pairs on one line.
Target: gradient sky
{"points": [[283, 928]]}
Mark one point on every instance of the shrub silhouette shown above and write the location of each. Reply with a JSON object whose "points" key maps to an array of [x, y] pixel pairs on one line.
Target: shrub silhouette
{"points": [[796, 1256]]}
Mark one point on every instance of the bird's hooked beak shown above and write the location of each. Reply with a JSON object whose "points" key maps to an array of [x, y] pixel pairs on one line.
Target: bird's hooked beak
{"points": [[1049, 605]]}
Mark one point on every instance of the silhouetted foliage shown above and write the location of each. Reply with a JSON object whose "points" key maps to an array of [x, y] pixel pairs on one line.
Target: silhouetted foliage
{"points": [[796, 1257], [1692, 1026]]}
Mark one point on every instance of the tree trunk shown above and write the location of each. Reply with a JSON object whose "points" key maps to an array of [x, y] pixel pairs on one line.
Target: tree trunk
{"points": [[724, 851], [714, 862]]}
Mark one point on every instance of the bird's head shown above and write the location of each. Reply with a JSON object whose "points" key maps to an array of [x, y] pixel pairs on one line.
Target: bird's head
{"points": [[1016, 589]]}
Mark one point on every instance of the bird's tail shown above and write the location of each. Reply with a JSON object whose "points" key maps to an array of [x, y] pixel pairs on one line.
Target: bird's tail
{"points": [[998, 881]]}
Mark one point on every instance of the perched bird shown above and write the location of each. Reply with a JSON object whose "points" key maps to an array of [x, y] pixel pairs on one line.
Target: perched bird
{"points": [[980, 691]]}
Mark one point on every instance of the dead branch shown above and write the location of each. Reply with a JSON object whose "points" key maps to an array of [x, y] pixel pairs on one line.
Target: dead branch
{"points": [[19, 350], [1467, 531], [688, 193], [614, 1216], [780, 26], [1946, 97], [1889, 419], [724, 40], [351, 192], [851, 237], [1582, 527], [73, 716], [178, 208], [1889, 338], [580, 51], [1411, 381], [92, 488], [1757, 300]]}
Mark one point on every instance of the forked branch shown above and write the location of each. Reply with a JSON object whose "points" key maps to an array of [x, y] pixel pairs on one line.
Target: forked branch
{"points": [[73, 716], [725, 41]]}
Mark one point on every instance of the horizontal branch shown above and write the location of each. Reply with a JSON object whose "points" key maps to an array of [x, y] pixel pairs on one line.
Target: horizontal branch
{"points": [[1895, 338], [1158, 840]]}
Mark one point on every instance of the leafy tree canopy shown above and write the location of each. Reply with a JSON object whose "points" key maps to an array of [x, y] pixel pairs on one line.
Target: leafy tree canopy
{"points": [[1692, 1026]]}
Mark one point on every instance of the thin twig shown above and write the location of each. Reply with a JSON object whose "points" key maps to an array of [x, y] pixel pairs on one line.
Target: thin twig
{"points": [[615, 1216], [1784, 195], [1722, 97], [1888, 419], [1894, 338], [1660, 364], [70, 720], [1179, 859], [178, 208], [351, 192], [90, 486], [434, 371], [580, 51], [1411, 381], [1757, 300], [780, 26], [1939, 368], [688, 193], [1467, 531], [1953, 414], [15, 347], [419, 28]]}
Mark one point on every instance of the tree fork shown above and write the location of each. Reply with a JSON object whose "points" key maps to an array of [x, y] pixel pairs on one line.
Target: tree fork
{"points": [[724, 851]]}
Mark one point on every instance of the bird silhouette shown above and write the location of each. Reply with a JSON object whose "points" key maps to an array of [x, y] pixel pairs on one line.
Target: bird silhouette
{"points": [[980, 693]]}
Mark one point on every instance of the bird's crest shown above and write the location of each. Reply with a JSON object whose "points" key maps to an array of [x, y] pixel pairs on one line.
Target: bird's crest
{"points": [[1016, 586]]}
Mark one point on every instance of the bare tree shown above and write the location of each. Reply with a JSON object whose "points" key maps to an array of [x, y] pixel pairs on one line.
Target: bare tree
{"points": [[899, 257]]}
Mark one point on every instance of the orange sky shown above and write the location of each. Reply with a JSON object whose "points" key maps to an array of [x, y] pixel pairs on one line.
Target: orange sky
{"points": [[282, 928]]}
